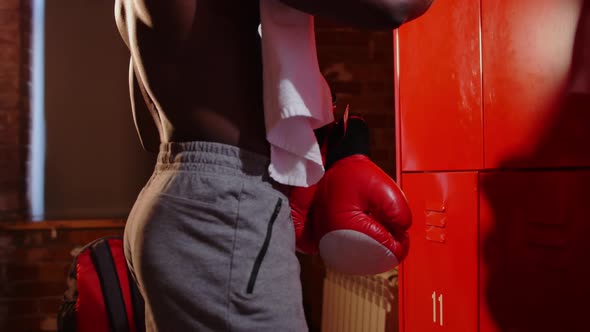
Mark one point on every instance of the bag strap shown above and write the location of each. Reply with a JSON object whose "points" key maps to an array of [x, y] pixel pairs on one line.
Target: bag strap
{"points": [[138, 304], [109, 282]]}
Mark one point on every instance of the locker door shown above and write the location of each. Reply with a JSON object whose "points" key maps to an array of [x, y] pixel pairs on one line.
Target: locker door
{"points": [[440, 274], [530, 58], [535, 251], [438, 58]]}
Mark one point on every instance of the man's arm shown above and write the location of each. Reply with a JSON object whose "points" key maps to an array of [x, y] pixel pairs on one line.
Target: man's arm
{"points": [[369, 14]]}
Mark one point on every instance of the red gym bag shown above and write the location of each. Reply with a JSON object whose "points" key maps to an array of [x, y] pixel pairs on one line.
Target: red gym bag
{"points": [[101, 295]]}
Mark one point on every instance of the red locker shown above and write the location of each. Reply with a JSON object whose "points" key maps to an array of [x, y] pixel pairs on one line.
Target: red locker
{"points": [[440, 275], [535, 251], [440, 89], [504, 236], [533, 116]]}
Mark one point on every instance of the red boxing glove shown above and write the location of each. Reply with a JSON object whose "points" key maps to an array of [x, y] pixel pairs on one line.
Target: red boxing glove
{"points": [[300, 200], [360, 215]]}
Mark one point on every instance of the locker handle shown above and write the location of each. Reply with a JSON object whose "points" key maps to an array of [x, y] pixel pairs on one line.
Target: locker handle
{"points": [[434, 218], [436, 234]]}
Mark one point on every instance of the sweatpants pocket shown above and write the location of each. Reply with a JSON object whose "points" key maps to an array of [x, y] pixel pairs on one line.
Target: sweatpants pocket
{"points": [[265, 286], [264, 248]]}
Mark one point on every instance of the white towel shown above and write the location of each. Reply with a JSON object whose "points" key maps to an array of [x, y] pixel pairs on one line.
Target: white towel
{"points": [[297, 98]]}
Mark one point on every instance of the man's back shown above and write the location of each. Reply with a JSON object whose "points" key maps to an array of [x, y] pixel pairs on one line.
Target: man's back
{"points": [[200, 62]]}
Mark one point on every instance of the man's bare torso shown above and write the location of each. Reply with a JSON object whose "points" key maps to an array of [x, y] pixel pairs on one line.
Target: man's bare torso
{"points": [[198, 63]]}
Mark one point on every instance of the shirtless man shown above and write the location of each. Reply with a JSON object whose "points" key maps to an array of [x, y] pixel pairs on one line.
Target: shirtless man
{"points": [[210, 239]]}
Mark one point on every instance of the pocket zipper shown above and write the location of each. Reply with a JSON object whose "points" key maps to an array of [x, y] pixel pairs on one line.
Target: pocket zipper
{"points": [[264, 249]]}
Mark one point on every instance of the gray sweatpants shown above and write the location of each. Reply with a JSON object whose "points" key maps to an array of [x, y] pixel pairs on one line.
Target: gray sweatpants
{"points": [[211, 243]]}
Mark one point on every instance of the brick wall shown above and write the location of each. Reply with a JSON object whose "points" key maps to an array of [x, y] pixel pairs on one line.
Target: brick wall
{"points": [[359, 67], [34, 259], [15, 32]]}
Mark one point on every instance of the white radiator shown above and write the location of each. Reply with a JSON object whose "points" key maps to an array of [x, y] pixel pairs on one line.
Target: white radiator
{"points": [[360, 304]]}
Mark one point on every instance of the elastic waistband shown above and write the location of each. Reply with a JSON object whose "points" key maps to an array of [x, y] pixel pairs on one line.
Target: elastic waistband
{"points": [[215, 158]]}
